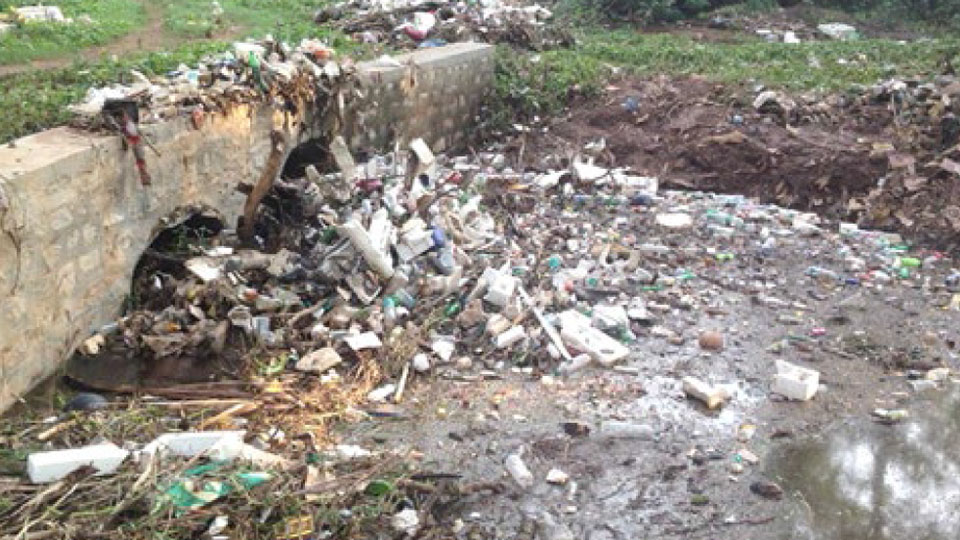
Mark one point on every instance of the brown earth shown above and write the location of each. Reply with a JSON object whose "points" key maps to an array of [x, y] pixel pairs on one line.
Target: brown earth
{"points": [[824, 155]]}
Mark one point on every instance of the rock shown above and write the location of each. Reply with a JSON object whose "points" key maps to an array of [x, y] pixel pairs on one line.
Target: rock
{"points": [[710, 340], [319, 361], [86, 401], [767, 489], [575, 429]]}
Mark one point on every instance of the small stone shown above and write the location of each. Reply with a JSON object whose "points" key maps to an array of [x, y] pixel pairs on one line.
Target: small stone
{"points": [[736, 468], [86, 401], [464, 362], [557, 477], [575, 429], [319, 361], [711, 341], [767, 489]]}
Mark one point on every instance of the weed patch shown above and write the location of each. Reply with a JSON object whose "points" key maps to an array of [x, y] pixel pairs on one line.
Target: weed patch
{"points": [[108, 20]]}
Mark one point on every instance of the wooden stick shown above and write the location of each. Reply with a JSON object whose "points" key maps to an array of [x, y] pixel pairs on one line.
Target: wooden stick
{"points": [[49, 433], [270, 172], [402, 384], [238, 409]]}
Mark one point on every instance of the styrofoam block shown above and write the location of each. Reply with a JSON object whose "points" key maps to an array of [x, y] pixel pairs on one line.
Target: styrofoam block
{"points": [[601, 347], [501, 290], [414, 243], [795, 382], [189, 444], [45, 467]]}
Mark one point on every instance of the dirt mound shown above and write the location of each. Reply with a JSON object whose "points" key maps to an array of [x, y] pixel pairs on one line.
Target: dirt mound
{"points": [[847, 158]]}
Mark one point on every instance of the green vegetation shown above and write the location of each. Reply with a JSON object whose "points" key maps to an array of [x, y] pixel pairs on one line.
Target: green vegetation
{"points": [[824, 65], [291, 19], [109, 19], [543, 85], [944, 13]]}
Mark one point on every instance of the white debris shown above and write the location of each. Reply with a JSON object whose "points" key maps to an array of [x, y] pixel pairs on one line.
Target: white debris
{"points": [[518, 471], [41, 14], [366, 340], [558, 477], [420, 363], [46, 467], [711, 396], [578, 334], [674, 220], [381, 394], [406, 522], [839, 31], [795, 382], [188, 444]]}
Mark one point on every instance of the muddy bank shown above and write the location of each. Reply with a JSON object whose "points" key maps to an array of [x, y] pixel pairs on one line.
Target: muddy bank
{"points": [[885, 158]]}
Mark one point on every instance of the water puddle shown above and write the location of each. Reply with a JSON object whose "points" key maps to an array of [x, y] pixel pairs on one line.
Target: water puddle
{"points": [[868, 481]]}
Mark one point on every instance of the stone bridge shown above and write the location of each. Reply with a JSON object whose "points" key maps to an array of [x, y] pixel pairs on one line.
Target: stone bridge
{"points": [[74, 219]]}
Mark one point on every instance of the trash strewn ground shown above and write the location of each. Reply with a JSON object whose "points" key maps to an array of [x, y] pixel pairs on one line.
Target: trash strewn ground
{"points": [[408, 25], [444, 346], [884, 156]]}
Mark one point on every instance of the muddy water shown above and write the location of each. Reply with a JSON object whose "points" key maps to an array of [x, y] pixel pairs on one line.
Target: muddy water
{"points": [[871, 481]]}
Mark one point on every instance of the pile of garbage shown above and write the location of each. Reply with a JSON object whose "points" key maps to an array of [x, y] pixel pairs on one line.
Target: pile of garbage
{"points": [[379, 271], [407, 25], [364, 277], [253, 71], [785, 30]]}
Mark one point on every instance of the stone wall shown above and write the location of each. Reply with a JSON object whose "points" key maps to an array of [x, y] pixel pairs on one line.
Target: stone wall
{"points": [[74, 218]]}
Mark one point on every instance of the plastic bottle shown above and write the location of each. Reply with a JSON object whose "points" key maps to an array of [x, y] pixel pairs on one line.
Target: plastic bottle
{"points": [[816, 271], [389, 312]]}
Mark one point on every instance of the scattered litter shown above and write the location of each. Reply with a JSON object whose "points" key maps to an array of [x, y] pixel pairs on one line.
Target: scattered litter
{"points": [[795, 382], [46, 467]]}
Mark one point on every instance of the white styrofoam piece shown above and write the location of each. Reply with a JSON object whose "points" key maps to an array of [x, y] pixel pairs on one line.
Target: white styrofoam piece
{"points": [[795, 382], [46, 467], [501, 290], [414, 243], [601, 347], [189, 444], [366, 340]]}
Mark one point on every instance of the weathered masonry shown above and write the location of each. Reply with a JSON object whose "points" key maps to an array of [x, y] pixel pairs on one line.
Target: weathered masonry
{"points": [[74, 218]]}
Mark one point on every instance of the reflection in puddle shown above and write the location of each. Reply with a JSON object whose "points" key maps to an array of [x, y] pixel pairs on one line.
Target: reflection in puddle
{"points": [[866, 481]]}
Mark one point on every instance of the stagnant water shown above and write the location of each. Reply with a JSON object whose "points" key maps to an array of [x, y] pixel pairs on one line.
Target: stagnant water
{"points": [[869, 481]]}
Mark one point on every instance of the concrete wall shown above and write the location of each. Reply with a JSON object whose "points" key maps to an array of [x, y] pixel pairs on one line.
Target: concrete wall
{"points": [[74, 218]]}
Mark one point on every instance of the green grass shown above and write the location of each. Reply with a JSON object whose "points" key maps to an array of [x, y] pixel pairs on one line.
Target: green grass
{"points": [[289, 19], [110, 20], [773, 64], [526, 88]]}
